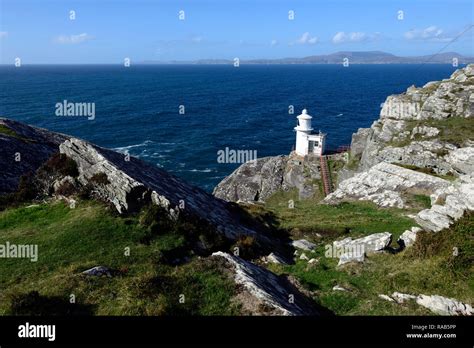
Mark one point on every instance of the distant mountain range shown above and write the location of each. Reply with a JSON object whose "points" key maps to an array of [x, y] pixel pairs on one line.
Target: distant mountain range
{"points": [[369, 57]]}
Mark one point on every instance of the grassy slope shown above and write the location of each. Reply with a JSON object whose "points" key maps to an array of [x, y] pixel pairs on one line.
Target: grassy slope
{"points": [[73, 240], [357, 219], [426, 268]]}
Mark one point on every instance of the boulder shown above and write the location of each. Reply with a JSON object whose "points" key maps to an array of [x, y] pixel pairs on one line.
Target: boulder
{"points": [[402, 298], [355, 250], [444, 306], [266, 289], [432, 220], [304, 257], [274, 258], [303, 244], [409, 236], [99, 271]]}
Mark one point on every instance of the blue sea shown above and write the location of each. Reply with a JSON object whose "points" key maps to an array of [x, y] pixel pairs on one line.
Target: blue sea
{"points": [[244, 108]]}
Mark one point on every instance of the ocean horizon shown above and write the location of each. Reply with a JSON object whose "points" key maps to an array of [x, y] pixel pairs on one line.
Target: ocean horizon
{"points": [[179, 116]]}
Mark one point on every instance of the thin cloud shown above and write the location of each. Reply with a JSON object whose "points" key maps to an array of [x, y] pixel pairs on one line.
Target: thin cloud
{"points": [[357, 36], [307, 39], [73, 39], [3, 34], [274, 43], [431, 33]]}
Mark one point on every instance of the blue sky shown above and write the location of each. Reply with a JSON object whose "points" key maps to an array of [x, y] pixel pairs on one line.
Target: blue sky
{"points": [[107, 31]]}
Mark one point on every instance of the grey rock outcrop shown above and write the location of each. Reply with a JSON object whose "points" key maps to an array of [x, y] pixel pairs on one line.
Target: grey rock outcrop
{"points": [[267, 289], [462, 160], [404, 133], [444, 306], [129, 184], [448, 205], [435, 303], [254, 181], [354, 250], [133, 183], [409, 236], [257, 181], [303, 244], [384, 184]]}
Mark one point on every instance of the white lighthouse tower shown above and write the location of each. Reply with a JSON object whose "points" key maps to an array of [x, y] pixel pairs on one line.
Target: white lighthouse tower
{"points": [[306, 141]]}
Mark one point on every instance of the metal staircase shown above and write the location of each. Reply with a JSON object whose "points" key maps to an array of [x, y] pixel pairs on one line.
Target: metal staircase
{"points": [[325, 176]]}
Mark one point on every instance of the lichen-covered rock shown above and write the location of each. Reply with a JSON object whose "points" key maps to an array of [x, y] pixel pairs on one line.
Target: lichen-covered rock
{"points": [[303, 244], [253, 181], [403, 133], [462, 160], [383, 184], [133, 183], [444, 306], [409, 236], [257, 181], [435, 303], [448, 205], [266, 289], [355, 250]]}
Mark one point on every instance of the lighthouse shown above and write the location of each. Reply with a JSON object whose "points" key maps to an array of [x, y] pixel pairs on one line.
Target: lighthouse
{"points": [[308, 142]]}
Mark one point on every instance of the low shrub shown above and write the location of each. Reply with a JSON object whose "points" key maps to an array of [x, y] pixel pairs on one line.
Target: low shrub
{"points": [[100, 178], [61, 164], [66, 189]]}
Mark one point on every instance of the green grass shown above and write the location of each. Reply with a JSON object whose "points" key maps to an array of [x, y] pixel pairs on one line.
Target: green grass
{"points": [[425, 170], [355, 219], [454, 130], [73, 240], [429, 268], [7, 131], [426, 268], [334, 167], [353, 162], [11, 133], [423, 201]]}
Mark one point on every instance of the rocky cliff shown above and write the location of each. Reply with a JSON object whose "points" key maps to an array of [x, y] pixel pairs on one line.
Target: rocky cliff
{"points": [[128, 184], [257, 181], [429, 127], [421, 144]]}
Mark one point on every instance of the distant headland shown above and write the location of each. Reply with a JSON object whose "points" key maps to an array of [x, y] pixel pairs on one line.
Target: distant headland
{"points": [[353, 57]]}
